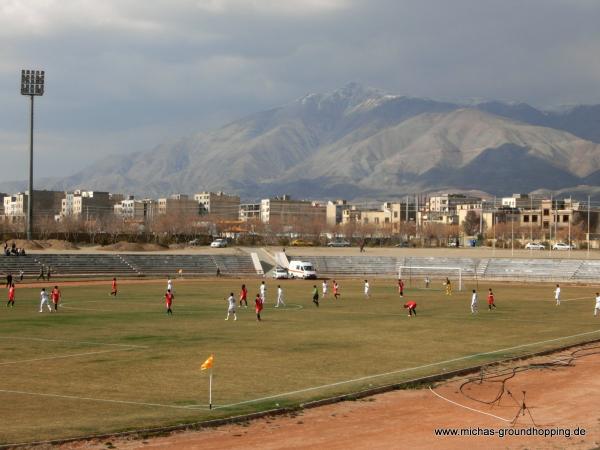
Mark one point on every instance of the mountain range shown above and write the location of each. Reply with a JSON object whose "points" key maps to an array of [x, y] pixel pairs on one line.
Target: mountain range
{"points": [[362, 143]]}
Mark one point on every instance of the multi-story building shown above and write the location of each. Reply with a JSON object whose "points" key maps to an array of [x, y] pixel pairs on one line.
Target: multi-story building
{"points": [[285, 211], [116, 198], [87, 204], [389, 214], [132, 209], [178, 204], [249, 212], [521, 201], [448, 203], [45, 204], [219, 204], [335, 211]]}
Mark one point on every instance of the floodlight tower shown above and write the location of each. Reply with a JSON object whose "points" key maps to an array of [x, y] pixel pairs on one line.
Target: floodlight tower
{"points": [[32, 84]]}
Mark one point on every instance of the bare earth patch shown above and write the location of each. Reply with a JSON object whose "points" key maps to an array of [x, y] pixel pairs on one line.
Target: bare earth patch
{"points": [[123, 246], [558, 397]]}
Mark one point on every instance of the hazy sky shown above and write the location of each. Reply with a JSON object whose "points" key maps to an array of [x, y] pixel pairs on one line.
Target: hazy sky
{"points": [[126, 75]]}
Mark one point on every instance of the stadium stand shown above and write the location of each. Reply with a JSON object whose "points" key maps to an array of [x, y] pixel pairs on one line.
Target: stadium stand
{"points": [[531, 269], [587, 270], [352, 265], [13, 264], [132, 265], [468, 266], [234, 264], [163, 265], [84, 264]]}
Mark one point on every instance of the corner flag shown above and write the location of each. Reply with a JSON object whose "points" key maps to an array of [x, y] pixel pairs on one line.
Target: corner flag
{"points": [[208, 363]]}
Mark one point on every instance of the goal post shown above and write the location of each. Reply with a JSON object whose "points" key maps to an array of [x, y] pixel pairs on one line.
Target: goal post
{"points": [[454, 274]]}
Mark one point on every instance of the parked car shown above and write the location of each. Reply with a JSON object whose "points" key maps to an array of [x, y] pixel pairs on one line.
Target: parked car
{"points": [[404, 244], [535, 246], [219, 243], [280, 273], [338, 243], [301, 243], [562, 246]]}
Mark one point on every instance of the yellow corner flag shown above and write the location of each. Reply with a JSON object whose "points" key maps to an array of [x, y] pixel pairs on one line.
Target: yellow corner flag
{"points": [[208, 363]]}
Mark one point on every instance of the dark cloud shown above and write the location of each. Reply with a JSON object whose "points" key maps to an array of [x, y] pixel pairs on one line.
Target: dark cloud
{"points": [[125, 75]]}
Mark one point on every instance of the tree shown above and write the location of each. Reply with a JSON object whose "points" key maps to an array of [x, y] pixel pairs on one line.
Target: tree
{"points": [[471, 223]]}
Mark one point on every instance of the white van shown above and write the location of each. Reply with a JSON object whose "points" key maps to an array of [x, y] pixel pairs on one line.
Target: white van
{"points": [[302, 269]]}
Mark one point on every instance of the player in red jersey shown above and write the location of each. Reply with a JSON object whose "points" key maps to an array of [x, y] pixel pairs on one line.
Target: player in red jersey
{"points": [[490, 300], [114, 287], [412, 308], [11, 296], [258, 306], [55, 295], [244, 296], [336, 289], [169, 301], [401, 287]]}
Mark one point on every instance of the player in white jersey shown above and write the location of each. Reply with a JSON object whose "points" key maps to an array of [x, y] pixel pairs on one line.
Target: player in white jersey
{"points": [[597, 308], [325, 287], [474, 300], [231, 308], [44, 300], [557, 295], [367, 289], [170, 285], [279, 297], [263, 292]]}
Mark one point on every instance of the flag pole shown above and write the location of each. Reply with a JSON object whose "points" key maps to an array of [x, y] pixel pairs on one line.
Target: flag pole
{"points": [[210, 389]]}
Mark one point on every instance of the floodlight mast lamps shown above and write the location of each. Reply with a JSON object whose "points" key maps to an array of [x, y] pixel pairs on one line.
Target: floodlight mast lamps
{"points": [[32, 84]]}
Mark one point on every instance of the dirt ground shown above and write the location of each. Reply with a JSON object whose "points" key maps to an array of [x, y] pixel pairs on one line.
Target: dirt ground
{"points": [[561, 397]]}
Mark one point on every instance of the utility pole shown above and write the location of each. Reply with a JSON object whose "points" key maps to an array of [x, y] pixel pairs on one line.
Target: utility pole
{"points": [[588, 229]]}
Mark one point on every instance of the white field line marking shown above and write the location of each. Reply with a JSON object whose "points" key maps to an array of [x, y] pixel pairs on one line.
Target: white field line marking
{"points": [[124, 402], [27, 338], [575, 298], [288, 306], [74, 355], [85, 309], [408, 369], [466, 407]]}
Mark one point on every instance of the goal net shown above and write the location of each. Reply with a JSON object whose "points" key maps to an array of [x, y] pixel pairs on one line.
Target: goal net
{"points": [[431, 277]]}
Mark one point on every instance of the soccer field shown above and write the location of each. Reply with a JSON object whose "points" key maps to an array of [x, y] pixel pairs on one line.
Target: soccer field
{"points": [[104, 364]]}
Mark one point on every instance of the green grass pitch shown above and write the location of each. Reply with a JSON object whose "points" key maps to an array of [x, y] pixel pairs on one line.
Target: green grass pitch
{"points": [[104, 364]]}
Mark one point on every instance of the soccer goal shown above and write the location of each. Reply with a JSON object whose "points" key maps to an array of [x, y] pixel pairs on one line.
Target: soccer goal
{"points": [[430, 276]]}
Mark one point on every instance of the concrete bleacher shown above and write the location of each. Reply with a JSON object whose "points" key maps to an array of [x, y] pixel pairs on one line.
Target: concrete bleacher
{"points": [[532, 269], [234, 264], [14, 264], [132, 265], [84, 264], [163, 265], [127, 265], [487, 268], [469, 266], [587, 271], [352, 265]]}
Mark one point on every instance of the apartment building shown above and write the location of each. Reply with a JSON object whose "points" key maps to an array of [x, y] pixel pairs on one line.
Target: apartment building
{"points": [[219, 204], [87, 204], [249, 212], [138, 210], [45, 204], [178, 204], [283, 210]]}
